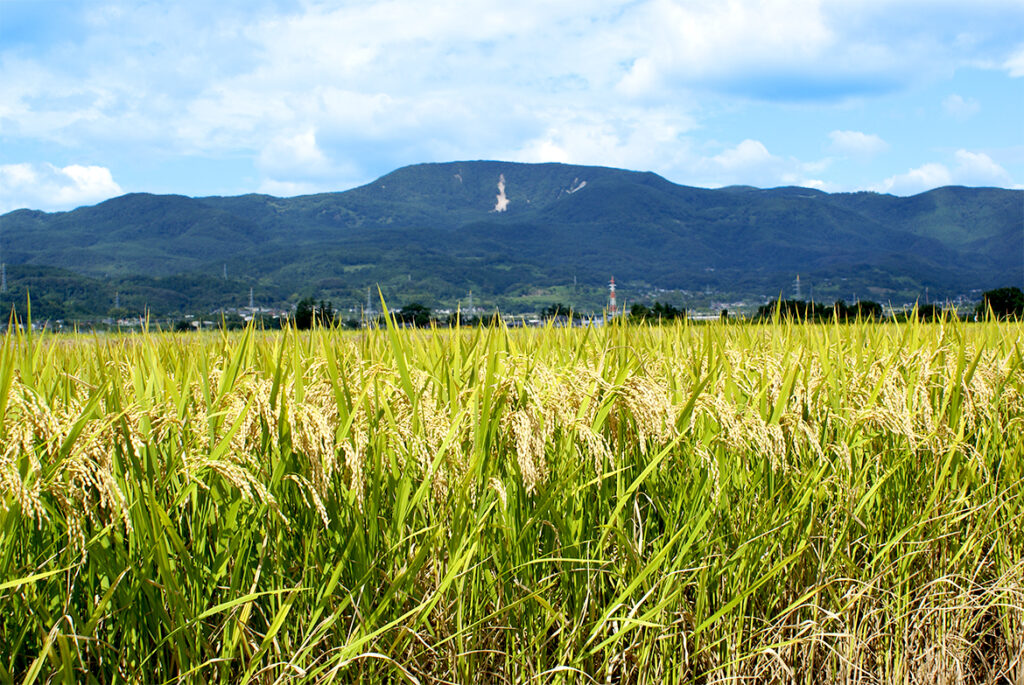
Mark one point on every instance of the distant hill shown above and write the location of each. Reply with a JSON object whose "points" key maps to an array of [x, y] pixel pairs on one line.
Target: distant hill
{"points": [[436, 231]]}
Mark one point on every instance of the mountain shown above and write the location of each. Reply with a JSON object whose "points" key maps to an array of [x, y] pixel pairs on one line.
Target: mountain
{"points": [[511, 232]]}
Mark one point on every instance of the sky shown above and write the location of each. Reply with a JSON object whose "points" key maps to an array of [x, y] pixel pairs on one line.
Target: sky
{"points": [[101, 98]]}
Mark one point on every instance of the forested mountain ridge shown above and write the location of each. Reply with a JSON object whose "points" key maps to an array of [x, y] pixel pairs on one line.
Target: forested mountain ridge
{"points": [[504, 230]]}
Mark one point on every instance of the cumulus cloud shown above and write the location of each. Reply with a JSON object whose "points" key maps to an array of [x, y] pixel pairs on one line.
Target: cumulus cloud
{"points": [[748, 155], [708, 42], [978, 169], [796, 49], [1015, 63], [959, 107], [230, 79], [751, 163], [857, 144], [924, 177], [969, 169], [663, 144], [311, 93], [633, 139], [296, 155], [45, 186]]}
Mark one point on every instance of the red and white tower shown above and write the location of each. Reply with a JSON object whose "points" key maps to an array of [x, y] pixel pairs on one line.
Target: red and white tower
{"points": [[611, 298]]}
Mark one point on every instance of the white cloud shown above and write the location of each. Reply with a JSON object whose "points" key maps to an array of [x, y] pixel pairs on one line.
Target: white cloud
{"points": [[292, 188], [960, 108], [857, 144], [707, 40], [230, 80], [970, 169], [45, 186], [924, 177], [633, 139], [747, 156], [661, 145], [641, 80], [310, 93], [978, 169], [1015, 63], [802, 50], [297, 155], [751, 163]]}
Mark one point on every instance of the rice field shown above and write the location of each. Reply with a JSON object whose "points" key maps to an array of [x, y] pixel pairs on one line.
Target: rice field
{"points": [[785, 503]]}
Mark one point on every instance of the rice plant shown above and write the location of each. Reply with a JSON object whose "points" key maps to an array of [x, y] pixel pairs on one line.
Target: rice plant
{"points": [[782, 502]]}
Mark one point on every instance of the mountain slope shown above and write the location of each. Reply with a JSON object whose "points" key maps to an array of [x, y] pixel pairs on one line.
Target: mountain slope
{"points": [[435, 231]]}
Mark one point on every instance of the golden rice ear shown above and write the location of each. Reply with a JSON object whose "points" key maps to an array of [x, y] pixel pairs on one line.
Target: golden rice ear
{"points": [[528, 440], [797, 503]]}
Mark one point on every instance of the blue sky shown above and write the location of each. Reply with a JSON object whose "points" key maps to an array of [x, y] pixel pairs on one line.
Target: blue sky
{"points": [[220, 98]]}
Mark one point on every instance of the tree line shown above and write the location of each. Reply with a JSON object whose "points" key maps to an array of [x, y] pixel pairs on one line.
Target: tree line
{"points": [[1002, 302], [412, 315]]}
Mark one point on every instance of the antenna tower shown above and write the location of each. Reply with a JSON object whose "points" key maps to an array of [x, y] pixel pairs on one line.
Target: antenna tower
{"points": [[250, 299], [797, 295], [3, 278], [611, 297]]}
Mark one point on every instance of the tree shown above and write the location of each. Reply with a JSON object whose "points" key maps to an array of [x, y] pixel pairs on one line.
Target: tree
{"points": [[307, 309], [666, 312], [798, 309], [324, 313], [929, 312], [414, 314], [659, 312], [639, 312], [555, 311], [868, 309], [863, 309], [304, 313], [1005, 303]]}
